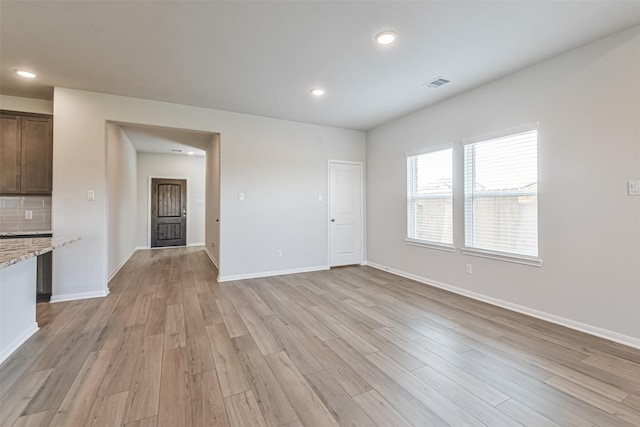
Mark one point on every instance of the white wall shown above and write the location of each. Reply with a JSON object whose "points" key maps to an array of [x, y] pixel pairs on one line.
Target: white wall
{"points": [[17, 305], [280, 165], [172, 166], [587, 103], [281, 173], [122, 202], [27, 105], [212, 224]]}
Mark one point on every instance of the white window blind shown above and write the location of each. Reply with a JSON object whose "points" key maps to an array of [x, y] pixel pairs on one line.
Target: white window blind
{"points": [[429, 197], [501, 194]]}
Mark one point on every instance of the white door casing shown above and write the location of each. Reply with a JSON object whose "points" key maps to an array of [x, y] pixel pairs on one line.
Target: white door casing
{"points": [[345, 213]]}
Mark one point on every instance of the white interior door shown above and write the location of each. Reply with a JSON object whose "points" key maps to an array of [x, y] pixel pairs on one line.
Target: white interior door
{"points": [[345, 214]]}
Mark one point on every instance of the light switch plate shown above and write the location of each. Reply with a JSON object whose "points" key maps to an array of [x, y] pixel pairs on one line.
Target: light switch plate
{"points": [[634, 188], [240, 196]]}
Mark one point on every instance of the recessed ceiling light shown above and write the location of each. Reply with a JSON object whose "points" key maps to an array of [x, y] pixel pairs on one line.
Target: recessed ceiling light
{"points": [[317, 92], [386, 37], [190, 153], [26, 74]]}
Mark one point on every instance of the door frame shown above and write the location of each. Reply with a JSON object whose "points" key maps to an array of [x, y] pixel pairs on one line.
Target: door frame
{"points": [[362, 204], [149, 201]]}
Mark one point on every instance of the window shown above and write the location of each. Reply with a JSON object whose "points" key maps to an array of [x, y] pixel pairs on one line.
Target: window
{"points": [[501, 194], [429, 198]]}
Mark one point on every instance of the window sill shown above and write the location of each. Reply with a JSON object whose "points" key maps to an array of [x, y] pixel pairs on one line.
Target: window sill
{"points": [[501, 256], [430, 245]]}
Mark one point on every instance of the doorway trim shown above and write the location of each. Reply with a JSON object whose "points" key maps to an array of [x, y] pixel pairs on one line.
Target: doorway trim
{"points": [[362, 205], [149, 190]]}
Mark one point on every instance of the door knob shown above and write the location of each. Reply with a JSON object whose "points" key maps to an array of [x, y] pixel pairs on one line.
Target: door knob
{"points": [[333, 220]]}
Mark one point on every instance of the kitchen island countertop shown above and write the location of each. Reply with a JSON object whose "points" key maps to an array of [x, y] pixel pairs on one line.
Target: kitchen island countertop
{"points": [[12, 251]]}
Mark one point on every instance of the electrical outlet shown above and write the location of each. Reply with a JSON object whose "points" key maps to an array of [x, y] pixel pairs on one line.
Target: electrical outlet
{"points": [[634, 188], [28, 214], [468, 269], [279, 253], [91, 195], [241, 196]]}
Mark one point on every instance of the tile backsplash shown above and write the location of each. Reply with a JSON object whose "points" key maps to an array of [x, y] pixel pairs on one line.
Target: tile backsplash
{"points": [[13, 209]]}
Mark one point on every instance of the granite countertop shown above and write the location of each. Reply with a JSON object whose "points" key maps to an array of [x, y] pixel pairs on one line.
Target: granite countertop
{"points": [[24, 233], [12, 251]]}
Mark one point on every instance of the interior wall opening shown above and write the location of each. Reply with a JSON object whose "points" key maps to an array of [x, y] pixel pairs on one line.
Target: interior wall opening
{"points": [[137, 155]]}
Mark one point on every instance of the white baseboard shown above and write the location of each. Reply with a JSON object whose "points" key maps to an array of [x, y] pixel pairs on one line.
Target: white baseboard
{"points": [[112, 275], [211, 257], [272, 273], [195, 244], [558, 320], [79, 295], [15, 344], [141, 247]]}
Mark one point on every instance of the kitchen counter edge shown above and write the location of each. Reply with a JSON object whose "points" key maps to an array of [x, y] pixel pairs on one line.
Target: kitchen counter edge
{"points": [[24, 233], [13, 251]]}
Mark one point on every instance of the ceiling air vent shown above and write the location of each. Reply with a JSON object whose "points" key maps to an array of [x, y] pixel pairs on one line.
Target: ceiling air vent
{"points": [[176, 151], [437, 82]]}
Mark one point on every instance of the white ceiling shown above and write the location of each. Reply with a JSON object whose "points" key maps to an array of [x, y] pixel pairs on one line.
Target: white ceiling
{"points": [[149, 139], [263, 57]]}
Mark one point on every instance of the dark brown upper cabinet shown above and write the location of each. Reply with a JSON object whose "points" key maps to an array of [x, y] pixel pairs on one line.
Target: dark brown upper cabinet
{"points": [[26, 153]]}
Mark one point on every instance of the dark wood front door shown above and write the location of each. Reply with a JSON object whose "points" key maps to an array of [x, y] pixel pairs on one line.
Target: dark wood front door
{"points": [[168, 212]]}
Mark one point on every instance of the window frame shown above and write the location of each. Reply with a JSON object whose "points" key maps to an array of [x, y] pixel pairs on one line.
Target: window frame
{"points": [[411, 196], [497, 254]]}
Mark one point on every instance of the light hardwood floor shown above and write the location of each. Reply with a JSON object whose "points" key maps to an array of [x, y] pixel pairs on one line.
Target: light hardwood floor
{"points": [[352, 346]]}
